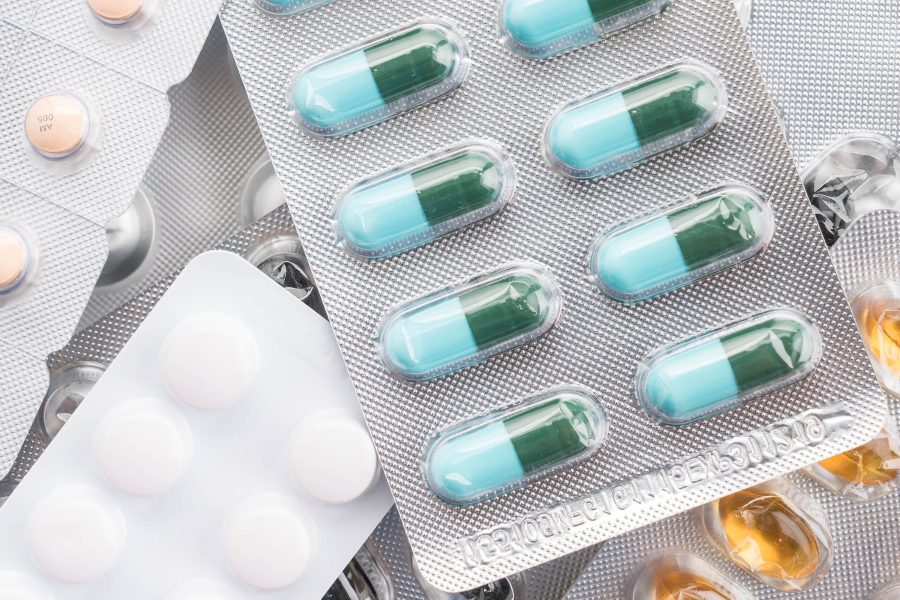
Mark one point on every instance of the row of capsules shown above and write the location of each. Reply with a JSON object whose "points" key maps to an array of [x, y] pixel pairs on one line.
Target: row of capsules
{"points": [[588, 138], [82, 108]]}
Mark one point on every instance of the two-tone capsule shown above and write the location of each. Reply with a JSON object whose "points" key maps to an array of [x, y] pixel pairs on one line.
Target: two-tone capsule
{"points": [[683, 576], [545, 28], [721, 369], [616, 128], [484, 457], [373, 81], [676, 246], [463, 325], [289, 7], [413, 204]]}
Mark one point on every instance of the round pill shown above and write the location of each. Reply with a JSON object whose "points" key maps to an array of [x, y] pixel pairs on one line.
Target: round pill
{"points": [[115, 12], [210, 360], [201, 589], [267, 542], [75, 535], [333, 459], [18, 586], [14, 258], [143, 446], [57, 125]]}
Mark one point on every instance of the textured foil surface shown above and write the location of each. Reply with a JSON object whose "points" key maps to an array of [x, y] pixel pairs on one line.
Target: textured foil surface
{"points": [[598, 342]]}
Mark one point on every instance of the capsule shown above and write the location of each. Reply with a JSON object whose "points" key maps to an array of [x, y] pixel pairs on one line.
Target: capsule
{"points": [[677, 246], [371, 82], [464, 325], [289, 7], [416, 203], [774, 532], [503, 451], [616, 128], [16, 259], [683, 576], [545, 28], [865, 473], [877, 312], [721, 369]]}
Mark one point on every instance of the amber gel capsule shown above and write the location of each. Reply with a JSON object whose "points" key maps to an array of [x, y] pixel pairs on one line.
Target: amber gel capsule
{"points": [[865, 473], [774, 532], [681, 576], [877, 312]]}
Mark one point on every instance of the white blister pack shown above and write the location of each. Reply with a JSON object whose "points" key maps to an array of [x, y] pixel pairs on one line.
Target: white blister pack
{"points": [[223, 454]]}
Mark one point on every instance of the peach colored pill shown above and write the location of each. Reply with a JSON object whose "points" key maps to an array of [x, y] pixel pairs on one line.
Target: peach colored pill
{"points": [[57, 125], [116, 12], [13, 258]]}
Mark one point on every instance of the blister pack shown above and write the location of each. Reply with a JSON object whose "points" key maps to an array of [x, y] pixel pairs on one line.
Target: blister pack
{"points": [[194, 454], [487, 360], [82, 107]]}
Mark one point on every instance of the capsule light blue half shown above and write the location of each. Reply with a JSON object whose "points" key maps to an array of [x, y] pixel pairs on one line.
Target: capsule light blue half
{"points": [[647, 256], [536, 24], [378, 216]]}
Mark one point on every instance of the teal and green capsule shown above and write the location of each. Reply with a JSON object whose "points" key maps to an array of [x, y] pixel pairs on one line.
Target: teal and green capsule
{"points": [[676, 246], [413, 204], [464, 325], [369, 83], [487, 456], [545, 28], [722, 369], [614, 129], [289, 7]]}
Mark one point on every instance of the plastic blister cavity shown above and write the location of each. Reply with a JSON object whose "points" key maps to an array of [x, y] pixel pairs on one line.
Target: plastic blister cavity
{"points": [[60, 126], [415, 203], [890, 591], [545, 28], [678, 575], [865, 473], [374, 80], [719, 370], [289, 7], [774, 532], [122, 14], [877, 312], [619, 127], [505, 450], [678, 245], [18, 260], [465, 324]]}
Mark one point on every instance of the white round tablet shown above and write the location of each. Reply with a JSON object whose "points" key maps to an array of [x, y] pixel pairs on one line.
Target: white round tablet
{"points": [[202, 589], [75, 534], [333, 459], [143, 446], [268, 542], [18, 586], [210, 360]]}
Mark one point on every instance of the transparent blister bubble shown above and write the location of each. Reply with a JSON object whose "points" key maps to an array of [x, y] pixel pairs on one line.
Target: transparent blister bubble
{"points": [[505, 450], [677, 575], [121, 15], [774, 532], [283, 8], [379, 78], [877, 311], [619, 127], [19, 260], [678, 245], [63, 131], [545, 28], [415, 203]]}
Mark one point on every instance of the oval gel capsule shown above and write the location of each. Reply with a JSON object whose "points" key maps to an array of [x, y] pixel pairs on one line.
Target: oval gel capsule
{"points": [[721, 369], [373, 81], [617, 128], [545, 28], [674, 247], [683, 576], [461, 326], [416, 203], [502, 451]]}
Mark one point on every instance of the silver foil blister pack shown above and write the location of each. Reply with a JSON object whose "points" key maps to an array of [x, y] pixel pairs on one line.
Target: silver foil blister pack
{"points": [[597, 342]]}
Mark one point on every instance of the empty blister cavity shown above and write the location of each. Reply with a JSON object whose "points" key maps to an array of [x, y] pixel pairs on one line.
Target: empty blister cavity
{"points": [[210, 361], [121, 13], [774, 532], [614, 129], [496, 453], [890, 591], [373, 81], [544, 28], [18, 586], [75, 534], [289, 7], [864, 473], [333, 459], [719, 370], [18, 259], [268, 542], [877, 312], [60, 126], [415, 203], [143, 447], [463, 325], [683, 576], [676, 246]]}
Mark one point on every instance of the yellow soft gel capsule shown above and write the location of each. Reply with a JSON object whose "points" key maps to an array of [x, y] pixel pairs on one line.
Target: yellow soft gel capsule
{"points": [[678, 575], [865, 473], [877, 312]]}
